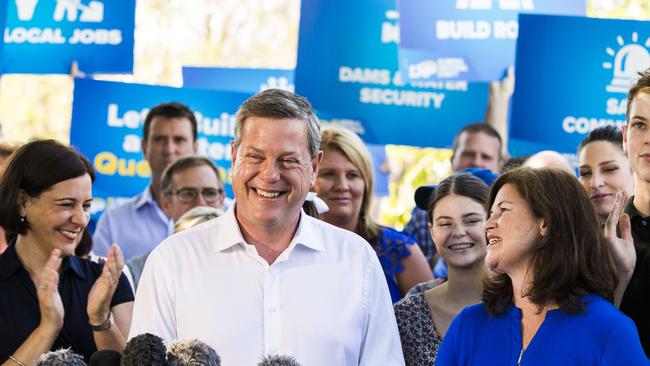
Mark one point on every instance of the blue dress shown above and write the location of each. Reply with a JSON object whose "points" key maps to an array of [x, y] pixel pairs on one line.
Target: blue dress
{"points": [[601, 335], [391, 247]]}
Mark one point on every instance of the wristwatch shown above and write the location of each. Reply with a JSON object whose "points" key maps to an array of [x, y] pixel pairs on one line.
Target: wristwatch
{"points": [[106, 325]]}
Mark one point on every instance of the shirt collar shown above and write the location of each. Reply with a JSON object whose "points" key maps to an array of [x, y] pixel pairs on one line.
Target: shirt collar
{"points": [[144, 198], [10, 263], [631, 210], [72, 262], [230, 233]]}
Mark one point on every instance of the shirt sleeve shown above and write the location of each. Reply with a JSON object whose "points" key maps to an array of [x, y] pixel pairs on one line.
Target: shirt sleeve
{"points": [[102, 237], [447, 351], [123, 293], [623, 346], [381, 343], [153, 309]]}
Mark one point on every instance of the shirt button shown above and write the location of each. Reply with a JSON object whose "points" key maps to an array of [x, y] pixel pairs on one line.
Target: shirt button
{"points": [[644, 223], [272, 310]]}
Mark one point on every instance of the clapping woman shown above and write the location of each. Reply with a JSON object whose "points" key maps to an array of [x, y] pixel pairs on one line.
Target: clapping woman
{"points": [[50, 299]]}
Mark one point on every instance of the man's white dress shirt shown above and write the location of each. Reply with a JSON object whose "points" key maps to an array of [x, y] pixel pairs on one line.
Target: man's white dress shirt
{"points": [[324, 300]]}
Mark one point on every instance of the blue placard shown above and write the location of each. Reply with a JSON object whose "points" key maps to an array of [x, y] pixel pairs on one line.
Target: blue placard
{"points": [[237, 79], [107, 123], [470, 40], [46, 36], [573, 75], [347, 67]]}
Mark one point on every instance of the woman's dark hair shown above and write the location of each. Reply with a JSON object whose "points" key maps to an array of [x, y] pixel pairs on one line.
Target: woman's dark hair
{"points": [[572, 260], [462, 184], [34, 168], [607, 133]]}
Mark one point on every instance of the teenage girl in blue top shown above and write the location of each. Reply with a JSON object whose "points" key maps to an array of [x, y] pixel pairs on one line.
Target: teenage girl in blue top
{"points": [[548, 299]]}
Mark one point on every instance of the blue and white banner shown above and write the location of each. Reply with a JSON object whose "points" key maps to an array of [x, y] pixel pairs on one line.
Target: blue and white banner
{"points": [[470, 40], [107, 123], [573, 75], [347, 67], [245, 80], [46, 36]]}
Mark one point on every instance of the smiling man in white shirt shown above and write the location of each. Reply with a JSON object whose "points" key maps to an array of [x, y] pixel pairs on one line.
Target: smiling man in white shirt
{"points": [[265, 278]]}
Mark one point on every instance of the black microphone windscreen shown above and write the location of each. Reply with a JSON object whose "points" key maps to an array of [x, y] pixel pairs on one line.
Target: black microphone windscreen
{"points": [[278, 360], [105, 357], [62, 357], [144, 349], [192, 352]]}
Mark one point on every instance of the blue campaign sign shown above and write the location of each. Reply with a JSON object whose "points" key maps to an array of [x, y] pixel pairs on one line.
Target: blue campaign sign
{"points": [[107, 123], [573, 75], [470, 40], [237, 79], [348, 68], [46, 36]]}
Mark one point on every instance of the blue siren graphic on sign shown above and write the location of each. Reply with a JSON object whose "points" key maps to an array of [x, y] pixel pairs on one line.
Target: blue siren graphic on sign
{"points": [[628, 60]]}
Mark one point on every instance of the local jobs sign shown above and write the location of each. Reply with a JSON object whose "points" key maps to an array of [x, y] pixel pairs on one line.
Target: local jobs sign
{"points": [[46, 36], [470, 40], [348, 68], [573, 75]]}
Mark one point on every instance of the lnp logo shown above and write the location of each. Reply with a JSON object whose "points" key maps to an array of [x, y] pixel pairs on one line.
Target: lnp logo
{"points": [[503, 4], [628, 61], [72, 10]]}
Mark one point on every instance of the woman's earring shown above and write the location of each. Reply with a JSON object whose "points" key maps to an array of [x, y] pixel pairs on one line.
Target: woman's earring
{"points": [[22, 219]]}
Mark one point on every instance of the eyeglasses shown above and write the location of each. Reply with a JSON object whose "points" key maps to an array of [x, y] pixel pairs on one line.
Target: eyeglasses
{"points": [[189, 195]]}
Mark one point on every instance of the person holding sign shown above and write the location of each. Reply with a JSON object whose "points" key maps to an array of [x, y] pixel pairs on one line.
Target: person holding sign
{"points": [[139, 225], [549, 298], [49, 298]]}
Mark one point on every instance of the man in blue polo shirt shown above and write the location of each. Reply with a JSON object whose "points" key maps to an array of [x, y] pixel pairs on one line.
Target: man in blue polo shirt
{"points": [[138, 225]]}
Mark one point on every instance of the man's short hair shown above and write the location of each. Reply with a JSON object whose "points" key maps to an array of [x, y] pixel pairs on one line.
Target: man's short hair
{"points": [[642, 85], [280, 104], [170, 110], [182, 164], [473, 128]]}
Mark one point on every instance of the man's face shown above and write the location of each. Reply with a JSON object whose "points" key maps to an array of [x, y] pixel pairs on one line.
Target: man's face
{"points": [[272, 172], [192, 187], [636, 136], [477, 150], [168, 140]]}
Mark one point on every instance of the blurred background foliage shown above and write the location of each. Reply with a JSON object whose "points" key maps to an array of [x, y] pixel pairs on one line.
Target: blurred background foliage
{"points": [[170, 34]]}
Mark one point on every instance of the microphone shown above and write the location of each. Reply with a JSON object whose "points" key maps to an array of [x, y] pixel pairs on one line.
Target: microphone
{"points": [[62, 357], [144, 349], [192, 352], [278, 360], [105, 357]]}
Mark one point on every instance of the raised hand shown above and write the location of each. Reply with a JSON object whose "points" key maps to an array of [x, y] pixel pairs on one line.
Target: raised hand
{"points": [[99, 298], [47, 291], [622, 246]]}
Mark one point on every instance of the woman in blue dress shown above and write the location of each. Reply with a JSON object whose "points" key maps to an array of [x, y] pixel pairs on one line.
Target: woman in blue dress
{"points": [[345, 182], [549, 298]]}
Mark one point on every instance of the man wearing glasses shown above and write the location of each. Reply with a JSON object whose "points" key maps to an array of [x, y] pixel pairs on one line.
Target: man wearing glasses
{"points": [[188, 182]]}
